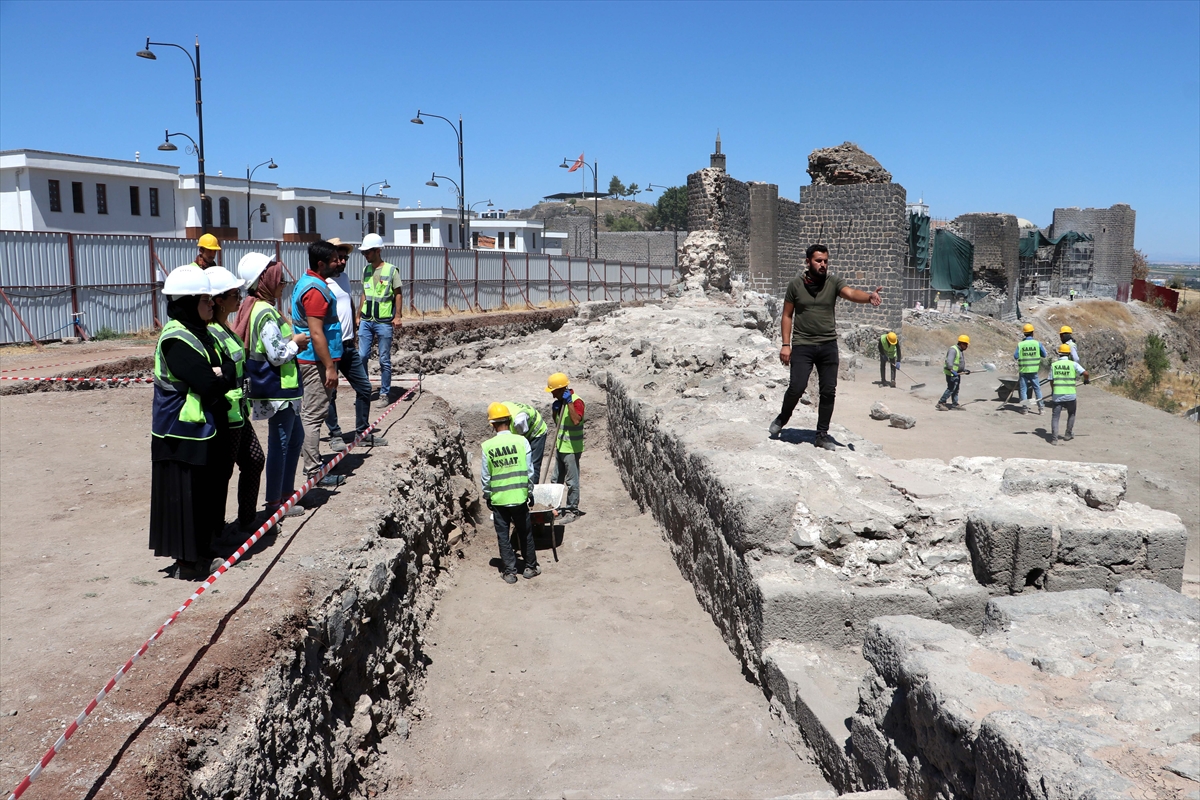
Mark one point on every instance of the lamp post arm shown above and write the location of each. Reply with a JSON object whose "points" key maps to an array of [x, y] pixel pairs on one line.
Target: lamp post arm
{"points": [[249, 177]]}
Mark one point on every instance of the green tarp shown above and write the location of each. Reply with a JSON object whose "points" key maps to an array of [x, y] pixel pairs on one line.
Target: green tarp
{"points": [[918, 241], [953, 257], [1030, 244]]}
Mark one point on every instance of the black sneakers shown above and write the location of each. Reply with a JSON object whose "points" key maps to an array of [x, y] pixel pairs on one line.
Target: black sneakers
{"points": [[510, 577], [823, 441], [776, 427]]}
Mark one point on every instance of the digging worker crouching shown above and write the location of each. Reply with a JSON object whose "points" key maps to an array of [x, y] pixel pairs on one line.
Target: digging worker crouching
{"points": [[568, 412], [810, 337], [527, 422], [1063, 374], [1029, 355], [507, 478], [889, 353]]}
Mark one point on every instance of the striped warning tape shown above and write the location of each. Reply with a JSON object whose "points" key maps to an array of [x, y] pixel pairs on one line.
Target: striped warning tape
{"points": [[62, 364], [74, 380], [229, 562]]}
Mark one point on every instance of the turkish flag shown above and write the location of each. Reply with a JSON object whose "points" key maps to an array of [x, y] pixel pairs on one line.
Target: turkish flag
{"points": [[578, 163]]}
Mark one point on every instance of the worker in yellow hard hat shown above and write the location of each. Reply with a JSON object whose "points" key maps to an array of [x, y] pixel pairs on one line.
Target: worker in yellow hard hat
{"points": [[1067, 336], [568, 411], [507, 478], [1029, 355], [207, 257], [954, 368], [1063, 375], [889, 353]]}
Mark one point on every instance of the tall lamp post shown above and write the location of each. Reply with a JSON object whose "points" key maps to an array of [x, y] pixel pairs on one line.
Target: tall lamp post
{"points": [[650, 187], [193, 148], [383, 184], [148, 53], [596, 197], [458, 189], [269, 164], [462, 179]]}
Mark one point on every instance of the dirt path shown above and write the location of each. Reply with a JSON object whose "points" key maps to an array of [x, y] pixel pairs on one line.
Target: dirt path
{"points": [[1161, 450], [603, 677]]}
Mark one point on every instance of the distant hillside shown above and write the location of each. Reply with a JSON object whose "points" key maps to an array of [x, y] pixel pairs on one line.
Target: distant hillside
{"points": [[609, 210]]}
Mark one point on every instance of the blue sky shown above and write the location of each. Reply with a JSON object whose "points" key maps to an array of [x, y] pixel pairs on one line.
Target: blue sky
{"points": [[1013, 107]]}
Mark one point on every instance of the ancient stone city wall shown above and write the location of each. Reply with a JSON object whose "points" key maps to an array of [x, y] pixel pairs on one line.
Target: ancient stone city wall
{"points": [[1113, 231]]}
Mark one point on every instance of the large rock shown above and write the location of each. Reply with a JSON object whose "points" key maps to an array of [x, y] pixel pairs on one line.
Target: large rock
{"points": [[845, 164]]}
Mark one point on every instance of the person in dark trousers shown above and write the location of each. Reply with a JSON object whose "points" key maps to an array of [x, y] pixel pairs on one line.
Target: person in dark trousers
{"points": [[1067, 336], [810, 339], [189, 429], [507, 478], [889, 353], [954, 368], [1063, 374]]}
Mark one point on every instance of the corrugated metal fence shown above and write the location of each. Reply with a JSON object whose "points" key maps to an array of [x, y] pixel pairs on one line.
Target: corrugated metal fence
{"points": [[56, 280]]}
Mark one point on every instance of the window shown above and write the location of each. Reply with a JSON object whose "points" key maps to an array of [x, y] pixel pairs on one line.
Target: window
{"points": [[101, 198], [153, 202], [533, 241], [474, 239], [206, 210], [425, 233], [300, 219], [412, 233], [135, 201], [379, 222], [223, 210], [512, 240], [370, 222], [312, 219], [341, 215], [55, 196], [500, 240], [77, 196], [356, 216], [262, 212]]}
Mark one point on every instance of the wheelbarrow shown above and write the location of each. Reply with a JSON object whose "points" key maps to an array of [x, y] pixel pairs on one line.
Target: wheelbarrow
{"points": [[1011, 387]]}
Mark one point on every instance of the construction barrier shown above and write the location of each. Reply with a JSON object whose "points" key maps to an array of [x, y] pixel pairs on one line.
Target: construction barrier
{"points": [[229, 562]]}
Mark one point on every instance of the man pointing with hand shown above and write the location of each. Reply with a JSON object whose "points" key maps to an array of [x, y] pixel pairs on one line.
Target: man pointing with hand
{"points": [[810, 337]]}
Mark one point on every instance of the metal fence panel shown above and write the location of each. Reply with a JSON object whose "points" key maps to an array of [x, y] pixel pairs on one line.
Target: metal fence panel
{"points": [[462, 294], [117, 289], [35, 270]]}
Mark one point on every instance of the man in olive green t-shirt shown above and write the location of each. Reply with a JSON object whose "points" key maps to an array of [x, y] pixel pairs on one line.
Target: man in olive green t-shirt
{"points": [[810, 337]]}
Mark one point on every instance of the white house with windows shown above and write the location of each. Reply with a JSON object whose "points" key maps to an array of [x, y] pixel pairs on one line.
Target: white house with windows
{"points": [[43, 191], [492, 230]]}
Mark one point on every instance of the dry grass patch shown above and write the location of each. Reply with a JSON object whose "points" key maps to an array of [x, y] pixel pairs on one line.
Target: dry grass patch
{"points": [[1087, 315]]}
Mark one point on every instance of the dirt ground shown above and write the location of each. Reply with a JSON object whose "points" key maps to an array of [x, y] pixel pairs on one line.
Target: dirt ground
{"points": [[1161, 450], [603, 677]]}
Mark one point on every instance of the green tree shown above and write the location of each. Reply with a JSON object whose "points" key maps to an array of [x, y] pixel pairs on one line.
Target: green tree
{"points": [[671, 210], [631, 190], [1155, 357], [625, 223], [615, 187]]}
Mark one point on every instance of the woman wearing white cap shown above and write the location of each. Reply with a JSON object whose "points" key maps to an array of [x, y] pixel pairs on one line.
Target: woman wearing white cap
{"points": [[244, 449], [273, 384], [190, 428]]}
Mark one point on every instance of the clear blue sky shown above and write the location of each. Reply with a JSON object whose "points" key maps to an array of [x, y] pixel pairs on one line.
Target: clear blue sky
{"points": [[1013, 107]]}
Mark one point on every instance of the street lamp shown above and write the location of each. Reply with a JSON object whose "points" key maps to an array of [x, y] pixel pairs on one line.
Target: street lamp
{"points": [[462, 180], [596, 197], [489, 204], [269, 164], [149, 54], [383, 184]]}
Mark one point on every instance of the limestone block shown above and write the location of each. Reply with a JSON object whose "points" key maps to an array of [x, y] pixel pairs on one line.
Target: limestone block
{"points": [[832, 613], [903, 421], [1062, 578], [1083, 544], [886, 553], [1166, 543], [879, 411], [1009, 546], [1101, 486], [1159, 603], [1003, 613]]}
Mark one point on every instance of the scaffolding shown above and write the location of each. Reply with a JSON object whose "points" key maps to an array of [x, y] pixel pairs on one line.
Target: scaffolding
{"points": [[1055, 269]]}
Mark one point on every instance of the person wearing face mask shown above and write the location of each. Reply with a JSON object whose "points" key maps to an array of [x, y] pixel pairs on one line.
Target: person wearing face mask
{"points": [[189, 427], [810, 337]]}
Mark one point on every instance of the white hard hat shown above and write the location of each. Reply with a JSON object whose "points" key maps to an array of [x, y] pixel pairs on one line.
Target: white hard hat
{"points": [[371, 241], [251, 266], [221, 280], [186, 280]]}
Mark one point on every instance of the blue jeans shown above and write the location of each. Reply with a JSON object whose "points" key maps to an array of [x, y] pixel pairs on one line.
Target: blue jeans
{"points": [[284, 440], [351, 366], [1029, 386], [951, 393], [537, 451], [565, 469], [377, 332]]}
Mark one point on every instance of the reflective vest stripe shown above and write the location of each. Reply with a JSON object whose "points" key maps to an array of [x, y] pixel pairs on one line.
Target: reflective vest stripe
{"points": [[570, 435], [177, 412], [537, 425], [889, 349], [379, 301], [231, 345], [267, 381], [1063, 373], [1029, 356], [508, 469], [957, 361]]}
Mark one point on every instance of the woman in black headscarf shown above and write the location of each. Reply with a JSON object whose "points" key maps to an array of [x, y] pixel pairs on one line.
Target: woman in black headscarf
{"points": [[190, 429]]}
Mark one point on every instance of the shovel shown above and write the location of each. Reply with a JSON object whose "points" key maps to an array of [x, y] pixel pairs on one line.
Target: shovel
{"points": [[910, 377]]}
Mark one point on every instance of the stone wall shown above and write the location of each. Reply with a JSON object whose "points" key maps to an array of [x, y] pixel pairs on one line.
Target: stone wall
{"points": [[718, 202], [763, 274], [997, 241], [641, 247], [1113, 230]]}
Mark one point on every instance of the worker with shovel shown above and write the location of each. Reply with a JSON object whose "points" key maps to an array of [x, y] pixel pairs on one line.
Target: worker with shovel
{"points": [[508, 478], [1029, 355], [889, 353], [568, 410], [954, 368], [1063, 374]]}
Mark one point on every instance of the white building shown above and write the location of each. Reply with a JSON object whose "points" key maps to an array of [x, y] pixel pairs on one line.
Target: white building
{"points": [[492, 230], [41, 191]]}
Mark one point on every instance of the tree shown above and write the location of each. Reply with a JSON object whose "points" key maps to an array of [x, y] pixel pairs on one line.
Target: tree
{"points": [[1141, 267], [1155, 358], [625, 223], [615, 187], [631, 190], [671, 210]]}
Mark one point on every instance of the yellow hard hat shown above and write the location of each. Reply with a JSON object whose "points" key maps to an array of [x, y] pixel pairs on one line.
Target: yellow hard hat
{"points": [[1064, 348], [1065, 329], [497, 411], [892, 338], [964, 339], [209, 242], [1027, 328], [558, 380]]}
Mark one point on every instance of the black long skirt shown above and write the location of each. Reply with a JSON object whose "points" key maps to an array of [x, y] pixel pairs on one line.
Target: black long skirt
{"points": [[181, 511]]}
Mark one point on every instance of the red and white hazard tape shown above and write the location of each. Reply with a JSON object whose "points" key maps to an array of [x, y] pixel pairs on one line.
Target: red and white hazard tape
{"points": [[74, 380], [229, 562], [51, 366]]}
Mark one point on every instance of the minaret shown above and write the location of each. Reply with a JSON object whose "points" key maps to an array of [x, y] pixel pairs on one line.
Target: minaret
{"points": [[717, 159]]}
